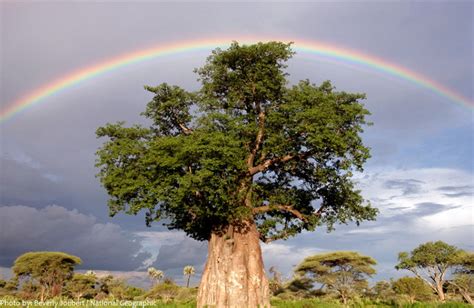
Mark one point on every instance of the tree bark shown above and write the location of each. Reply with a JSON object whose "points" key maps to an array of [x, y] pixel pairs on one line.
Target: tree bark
{"points": [[234, 275], [466, 296], [187, 282], [344, 298], [440, 291], [42, 293]]}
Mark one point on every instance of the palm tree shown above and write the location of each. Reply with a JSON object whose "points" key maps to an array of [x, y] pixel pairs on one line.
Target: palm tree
{"points": [[91, 273], [155, 274], [188, 271]]}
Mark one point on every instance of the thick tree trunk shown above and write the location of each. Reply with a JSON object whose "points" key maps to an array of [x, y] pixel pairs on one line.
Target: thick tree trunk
{"points": [[234, 275]]}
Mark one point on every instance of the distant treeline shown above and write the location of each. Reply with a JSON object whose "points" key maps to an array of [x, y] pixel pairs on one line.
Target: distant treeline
{"points": [[439, 272]]}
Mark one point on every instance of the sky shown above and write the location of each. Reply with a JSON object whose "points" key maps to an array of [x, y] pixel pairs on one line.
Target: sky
{"points": [[420, 175]]}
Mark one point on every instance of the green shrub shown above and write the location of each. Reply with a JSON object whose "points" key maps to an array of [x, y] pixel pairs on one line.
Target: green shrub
{"points": [[170, 292]]}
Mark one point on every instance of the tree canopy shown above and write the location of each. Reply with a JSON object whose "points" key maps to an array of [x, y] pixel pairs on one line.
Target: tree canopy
{"points": [[246, 146], [343, 272], [463, 279], [188, 271], [82, 286], [382, 290], [155, 274], [432, 262], [412, 287], [48, 269]]}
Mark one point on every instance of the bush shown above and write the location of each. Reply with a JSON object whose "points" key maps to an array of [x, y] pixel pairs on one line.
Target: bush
{"points": [[171, 292], [412, 289]]}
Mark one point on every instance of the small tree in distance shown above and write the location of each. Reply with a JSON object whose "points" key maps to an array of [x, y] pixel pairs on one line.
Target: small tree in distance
{"points": [[155, 275], [276, 283], [431, 262], [82, 286], [244, 159], [48, 269], [463, 279], [412, 287], [382, 290], [188, 271], [342, 272]]}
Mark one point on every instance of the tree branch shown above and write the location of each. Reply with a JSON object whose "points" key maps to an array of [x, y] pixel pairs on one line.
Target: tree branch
{"points": [[431, 285], [270, 239], [184, 129], [267, 240], [319, 211], [264, 166], [284, 208], [270, 162], [259, 138]]}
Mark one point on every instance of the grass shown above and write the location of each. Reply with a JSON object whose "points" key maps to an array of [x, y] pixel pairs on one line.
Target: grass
{"points": [[308, 303], [95, 303], [277, 303]]}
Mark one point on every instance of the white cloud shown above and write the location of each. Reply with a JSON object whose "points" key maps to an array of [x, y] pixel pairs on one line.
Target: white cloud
{"points": [[135, 278], [285, 257], [152, 241], [402, 192], [417, 206], [155, 239]]}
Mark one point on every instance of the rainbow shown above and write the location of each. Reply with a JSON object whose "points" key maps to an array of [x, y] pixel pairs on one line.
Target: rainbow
{"points": [[321, 50]]}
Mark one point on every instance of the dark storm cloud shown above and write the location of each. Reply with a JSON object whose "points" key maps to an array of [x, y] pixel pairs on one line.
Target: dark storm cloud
{"points": [[25, 182], [54, 228], [186, 252]]}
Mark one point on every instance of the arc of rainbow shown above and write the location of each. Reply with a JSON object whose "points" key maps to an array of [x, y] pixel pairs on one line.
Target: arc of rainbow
{"points": [[305, 46]]}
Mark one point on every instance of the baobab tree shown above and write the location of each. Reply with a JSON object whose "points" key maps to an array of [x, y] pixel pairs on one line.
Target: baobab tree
{"points": [[188, 271], [242, 160]]}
